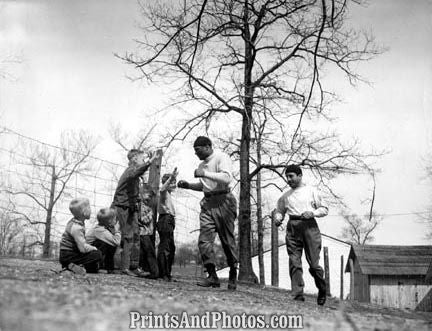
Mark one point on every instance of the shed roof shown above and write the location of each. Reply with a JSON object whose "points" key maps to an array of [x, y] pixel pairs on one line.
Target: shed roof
{"points": [[391, 260]]}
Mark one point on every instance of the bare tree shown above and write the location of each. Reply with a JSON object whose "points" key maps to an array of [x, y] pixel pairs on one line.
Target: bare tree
{"points": [[126, 141], [10, 228], [359, 229], [45, 179], [230, 56]]}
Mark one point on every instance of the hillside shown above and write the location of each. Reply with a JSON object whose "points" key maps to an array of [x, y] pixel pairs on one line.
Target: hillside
{"points": [[35, 296]]}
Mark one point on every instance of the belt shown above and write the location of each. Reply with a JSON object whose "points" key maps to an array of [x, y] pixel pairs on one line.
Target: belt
{"points": [[298, 218], [213, 193]]}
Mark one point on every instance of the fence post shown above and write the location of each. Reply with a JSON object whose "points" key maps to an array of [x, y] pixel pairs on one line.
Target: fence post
{"points": [[274, 252], [351, 263], [342, 278], [153, 181], [327, 270]]}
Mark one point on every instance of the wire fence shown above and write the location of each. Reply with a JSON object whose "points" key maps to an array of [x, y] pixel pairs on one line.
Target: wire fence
{"points": [[26, 182]]}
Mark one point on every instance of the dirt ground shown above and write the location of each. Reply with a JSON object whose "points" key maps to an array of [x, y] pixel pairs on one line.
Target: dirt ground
{"points": [[35, 296]]}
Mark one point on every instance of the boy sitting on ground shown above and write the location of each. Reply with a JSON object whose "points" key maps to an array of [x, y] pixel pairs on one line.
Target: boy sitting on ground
{"points": [[75, 253], [106, 237]]}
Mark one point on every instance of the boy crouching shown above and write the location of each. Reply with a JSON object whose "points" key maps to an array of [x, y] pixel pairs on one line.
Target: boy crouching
{"points": [[75, 252], [106, 237]]}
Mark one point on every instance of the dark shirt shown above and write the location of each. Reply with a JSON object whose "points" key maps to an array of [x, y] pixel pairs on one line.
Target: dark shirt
{"points": [[127, 192]]}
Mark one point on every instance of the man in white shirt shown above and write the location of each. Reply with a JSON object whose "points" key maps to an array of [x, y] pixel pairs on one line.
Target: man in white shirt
{"points": [[218, 210], [302, 204]]}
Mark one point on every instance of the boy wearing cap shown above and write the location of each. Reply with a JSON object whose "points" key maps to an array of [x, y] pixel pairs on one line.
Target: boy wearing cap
{"points": [[126, 206], [218, 210], [75, 253], [166, 225], [105, 236], [302, 203]]}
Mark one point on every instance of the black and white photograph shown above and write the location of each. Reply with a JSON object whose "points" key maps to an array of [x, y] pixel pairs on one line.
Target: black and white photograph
{"points": [[215, 164]]}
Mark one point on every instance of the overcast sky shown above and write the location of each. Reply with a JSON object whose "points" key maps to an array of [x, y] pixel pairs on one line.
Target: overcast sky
{"points": [[69, 79]]}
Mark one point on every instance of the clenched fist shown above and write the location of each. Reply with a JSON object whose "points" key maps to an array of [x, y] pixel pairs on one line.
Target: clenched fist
{"points": [[182, 184]]}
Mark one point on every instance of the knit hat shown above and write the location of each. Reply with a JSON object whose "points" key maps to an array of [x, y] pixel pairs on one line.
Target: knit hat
{"points": [[77, 207], [202, 141]]}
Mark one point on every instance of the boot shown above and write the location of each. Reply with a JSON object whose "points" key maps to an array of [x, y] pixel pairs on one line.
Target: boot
{"points": [[322, 295], [212, 280], [232, 280]]}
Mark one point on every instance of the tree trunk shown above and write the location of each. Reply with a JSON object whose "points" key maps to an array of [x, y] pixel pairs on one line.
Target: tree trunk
{"points": [[260, 225], [246, 272], [48, 220]]}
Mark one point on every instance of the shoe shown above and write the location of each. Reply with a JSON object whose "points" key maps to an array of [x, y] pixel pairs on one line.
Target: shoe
{"points": [[128, 272], [76, 269], [166, 278], [232, 280], [299, 297], [139, 272], [322, 296], [210, 281]]}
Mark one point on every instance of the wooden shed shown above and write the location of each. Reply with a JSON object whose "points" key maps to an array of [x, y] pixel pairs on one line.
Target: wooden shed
{"points": [[393, 276]]}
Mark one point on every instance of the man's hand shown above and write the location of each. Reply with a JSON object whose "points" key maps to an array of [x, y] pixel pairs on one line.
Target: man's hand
{"points": [[308, 215], [199, 173], [183, 184], [278, 219]]}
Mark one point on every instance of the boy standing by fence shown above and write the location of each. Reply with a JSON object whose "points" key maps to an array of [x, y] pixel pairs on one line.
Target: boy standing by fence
{"points": [[166, 225], [126, 205], [148, 260]]}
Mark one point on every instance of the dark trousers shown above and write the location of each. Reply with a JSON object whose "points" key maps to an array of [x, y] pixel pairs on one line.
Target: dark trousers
{"points": [[304, 234], [107, 252], [128, 220], [166, 249], [90, 261], [148, 259], [217, 216]]}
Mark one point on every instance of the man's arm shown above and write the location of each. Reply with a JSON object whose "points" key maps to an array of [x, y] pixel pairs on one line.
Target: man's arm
{"points": [[220, 177], [279, 212], [190, 186], [320, 208], [78, 234], [223, 173]]}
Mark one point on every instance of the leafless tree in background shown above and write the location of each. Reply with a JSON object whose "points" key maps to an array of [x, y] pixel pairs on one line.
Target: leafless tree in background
{"points": [[359, 229], [45, 180]]}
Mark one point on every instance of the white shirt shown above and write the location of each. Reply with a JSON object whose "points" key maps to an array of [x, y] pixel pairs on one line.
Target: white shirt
{"points": [[217, 162], [301, 199]]}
